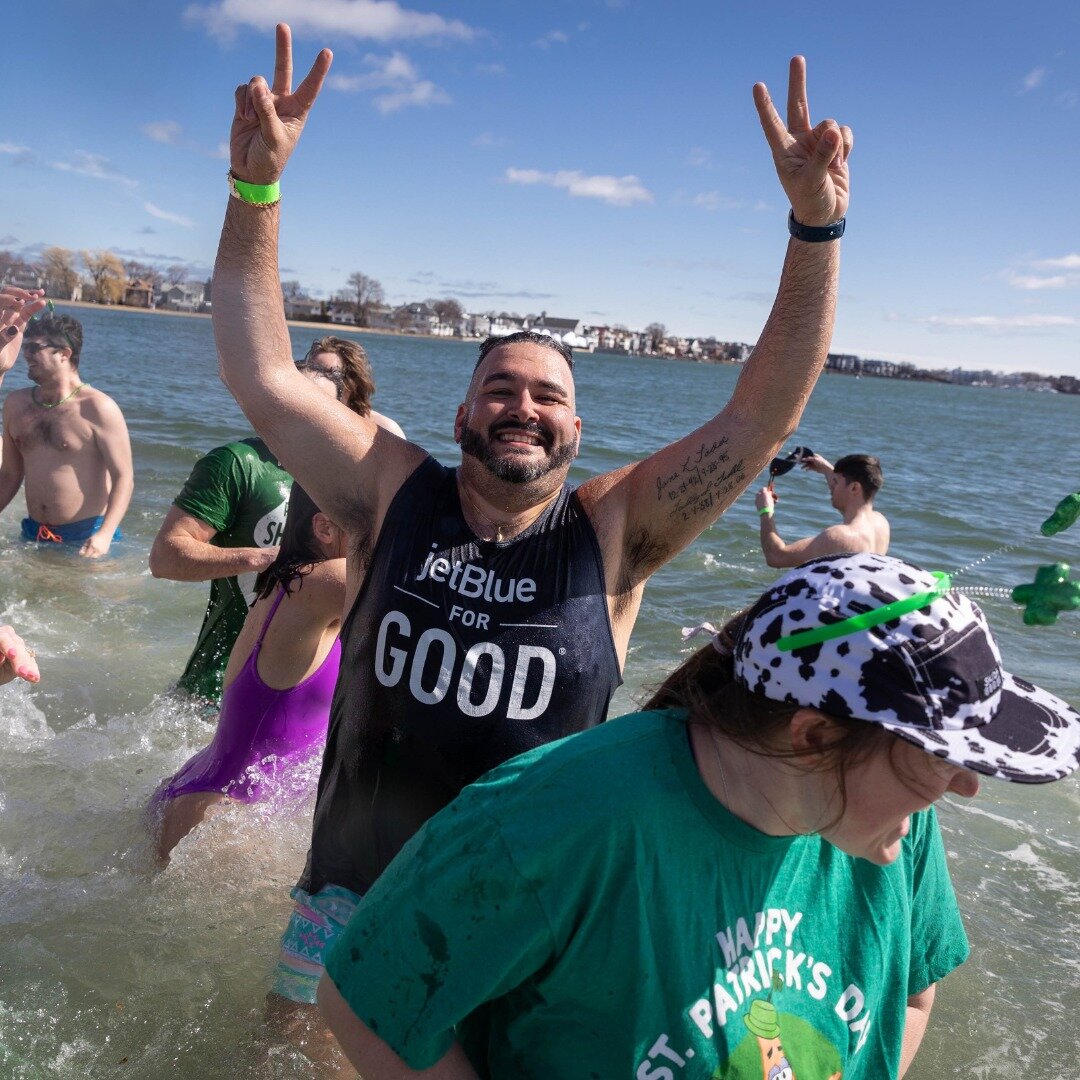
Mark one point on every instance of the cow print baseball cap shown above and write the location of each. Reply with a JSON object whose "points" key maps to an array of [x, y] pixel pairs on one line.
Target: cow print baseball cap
{"points": [[874, 638]]}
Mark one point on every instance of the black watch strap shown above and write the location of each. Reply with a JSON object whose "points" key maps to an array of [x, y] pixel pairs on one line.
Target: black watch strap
{"points": [[814, 234]]}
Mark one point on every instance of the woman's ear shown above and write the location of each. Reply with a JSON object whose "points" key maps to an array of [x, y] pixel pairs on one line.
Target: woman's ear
{"points": [[322, 528], [812, 731]]}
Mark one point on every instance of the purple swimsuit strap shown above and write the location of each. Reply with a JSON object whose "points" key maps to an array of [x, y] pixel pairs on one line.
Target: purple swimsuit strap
{"points": [[266, 622]]}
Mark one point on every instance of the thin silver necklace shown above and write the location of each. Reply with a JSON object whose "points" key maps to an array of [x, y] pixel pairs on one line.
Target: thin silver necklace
{"points": [[727, 791]]}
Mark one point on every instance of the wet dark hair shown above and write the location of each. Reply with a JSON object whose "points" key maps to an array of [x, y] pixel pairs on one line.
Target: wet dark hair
{"points": [[864, 470], [356, 376], [60, 331], [495, 341], [299, 551], [705, 686]]}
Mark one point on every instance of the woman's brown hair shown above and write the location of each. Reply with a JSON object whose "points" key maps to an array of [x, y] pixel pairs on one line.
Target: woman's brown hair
{"points": [[706, 687]]}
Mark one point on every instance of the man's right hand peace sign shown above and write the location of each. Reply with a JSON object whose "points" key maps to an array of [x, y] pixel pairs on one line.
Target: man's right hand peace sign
{"points": [[268, 120]]}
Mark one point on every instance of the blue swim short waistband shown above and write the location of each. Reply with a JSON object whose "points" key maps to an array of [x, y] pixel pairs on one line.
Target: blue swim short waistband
{"points": [[74, 532]]}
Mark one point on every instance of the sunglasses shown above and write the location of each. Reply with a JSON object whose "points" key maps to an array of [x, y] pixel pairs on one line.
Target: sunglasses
{"points": [[50, 307]]}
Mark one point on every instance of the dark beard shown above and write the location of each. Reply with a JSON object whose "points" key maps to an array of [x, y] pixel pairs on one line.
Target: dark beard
{"points": [[507, 468]]}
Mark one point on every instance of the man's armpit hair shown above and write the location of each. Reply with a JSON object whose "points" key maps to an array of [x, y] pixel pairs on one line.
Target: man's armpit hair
{"points": [[642, 555]]}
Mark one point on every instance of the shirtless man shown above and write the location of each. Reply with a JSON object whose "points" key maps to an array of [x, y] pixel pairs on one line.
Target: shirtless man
{"points": [[489, 606], [853, 482], [67, 440]]}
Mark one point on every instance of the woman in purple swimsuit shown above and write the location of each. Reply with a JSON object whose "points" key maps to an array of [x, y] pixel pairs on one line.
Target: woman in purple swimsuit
{"points": [[278, 683]]}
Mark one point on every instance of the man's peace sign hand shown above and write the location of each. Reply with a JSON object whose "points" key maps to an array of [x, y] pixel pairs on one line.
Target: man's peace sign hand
{"points": [[810, 161], [268, 120]]}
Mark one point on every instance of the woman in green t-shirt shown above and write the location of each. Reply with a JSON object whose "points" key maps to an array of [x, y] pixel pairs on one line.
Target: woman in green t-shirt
{"points": [[745, 881]]}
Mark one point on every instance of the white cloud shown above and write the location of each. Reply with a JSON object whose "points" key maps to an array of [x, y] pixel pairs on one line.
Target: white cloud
{"points": [[95, 166], [1033, 79], [398, 76], [162, 131], [994, 323], [377, 20], [13, 148], [167, 215], [1066, 262], [494, 68], [616, 190], [713, 200], [421, 93], [1032, 282], [699, 158], [552, 37]]}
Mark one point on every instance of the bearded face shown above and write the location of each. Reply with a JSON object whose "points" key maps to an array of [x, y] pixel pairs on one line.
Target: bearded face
{"points": [[507, 450]]}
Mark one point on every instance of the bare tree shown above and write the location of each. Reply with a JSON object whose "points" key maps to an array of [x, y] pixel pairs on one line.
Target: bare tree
{"points": [[364, 292], [107, 273], [61, 277], [448, 310], [654, 334], [176, 274], [140, 271], [291, 290]]}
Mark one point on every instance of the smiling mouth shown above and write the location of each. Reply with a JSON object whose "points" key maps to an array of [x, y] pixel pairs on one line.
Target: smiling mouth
{"points": [[521, 437]]}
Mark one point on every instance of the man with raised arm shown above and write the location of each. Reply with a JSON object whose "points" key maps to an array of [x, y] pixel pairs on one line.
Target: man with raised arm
{"points": [[67, 440], [853, 482], [489, 606]]}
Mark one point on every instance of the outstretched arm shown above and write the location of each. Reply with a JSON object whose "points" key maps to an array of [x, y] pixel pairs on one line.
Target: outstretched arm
{"points": [[11, 462], [16, 660], [658, 506], [17, 308], [182, 551], [346, 462]]}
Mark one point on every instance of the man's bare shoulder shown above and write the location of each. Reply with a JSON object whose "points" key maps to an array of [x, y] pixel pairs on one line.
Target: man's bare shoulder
{"points": [[19, 399], [96, 405]]}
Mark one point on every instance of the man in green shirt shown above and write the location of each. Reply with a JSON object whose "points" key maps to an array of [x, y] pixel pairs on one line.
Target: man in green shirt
{"points": [[224, 526]]}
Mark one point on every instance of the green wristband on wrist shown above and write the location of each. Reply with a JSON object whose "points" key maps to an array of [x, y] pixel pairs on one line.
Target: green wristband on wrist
{"points": [[255, 194], [765, 510]]}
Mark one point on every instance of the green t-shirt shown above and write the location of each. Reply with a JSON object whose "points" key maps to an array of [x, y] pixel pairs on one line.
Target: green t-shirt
{"points": [[241, 491], [590, 911]]}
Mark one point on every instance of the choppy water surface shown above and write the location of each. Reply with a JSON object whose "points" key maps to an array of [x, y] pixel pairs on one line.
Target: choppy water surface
{"points": [[109, 968]]}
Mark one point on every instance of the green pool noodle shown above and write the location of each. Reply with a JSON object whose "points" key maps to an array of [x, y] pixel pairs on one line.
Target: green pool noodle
{"points": [[1065, 514]]}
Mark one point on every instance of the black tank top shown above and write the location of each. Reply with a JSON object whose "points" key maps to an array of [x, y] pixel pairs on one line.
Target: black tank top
{"points": [[457, 654]]}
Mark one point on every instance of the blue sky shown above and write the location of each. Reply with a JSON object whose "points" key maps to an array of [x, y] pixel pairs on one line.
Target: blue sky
{"points": [[595, 158]]}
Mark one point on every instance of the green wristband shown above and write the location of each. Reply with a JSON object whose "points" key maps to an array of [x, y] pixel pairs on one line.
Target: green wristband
{"points": [[255, 194], [765, 510]]}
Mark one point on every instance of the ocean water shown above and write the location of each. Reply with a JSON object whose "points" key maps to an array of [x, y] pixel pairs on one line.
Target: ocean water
{"points": [[110, 968]]}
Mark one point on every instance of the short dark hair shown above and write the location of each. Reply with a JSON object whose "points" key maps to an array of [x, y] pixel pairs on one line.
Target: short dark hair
{"points": [[61, 331], [495, 341], [864, 470], [356, 376]]}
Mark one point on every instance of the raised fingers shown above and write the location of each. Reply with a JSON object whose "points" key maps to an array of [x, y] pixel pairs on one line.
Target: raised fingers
{"points": [[775, 132], [849, 140], [308, 90], [243, 108], [798, 108], [283, 60]]}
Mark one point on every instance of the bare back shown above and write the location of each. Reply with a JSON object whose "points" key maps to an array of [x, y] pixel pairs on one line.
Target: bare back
{"points": [[301, 633], [65, 466], [872, 531]]}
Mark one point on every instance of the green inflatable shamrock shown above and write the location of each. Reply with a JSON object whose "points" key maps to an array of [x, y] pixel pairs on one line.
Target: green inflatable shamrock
{"points": [[1048, 595], [1065, 514]]}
